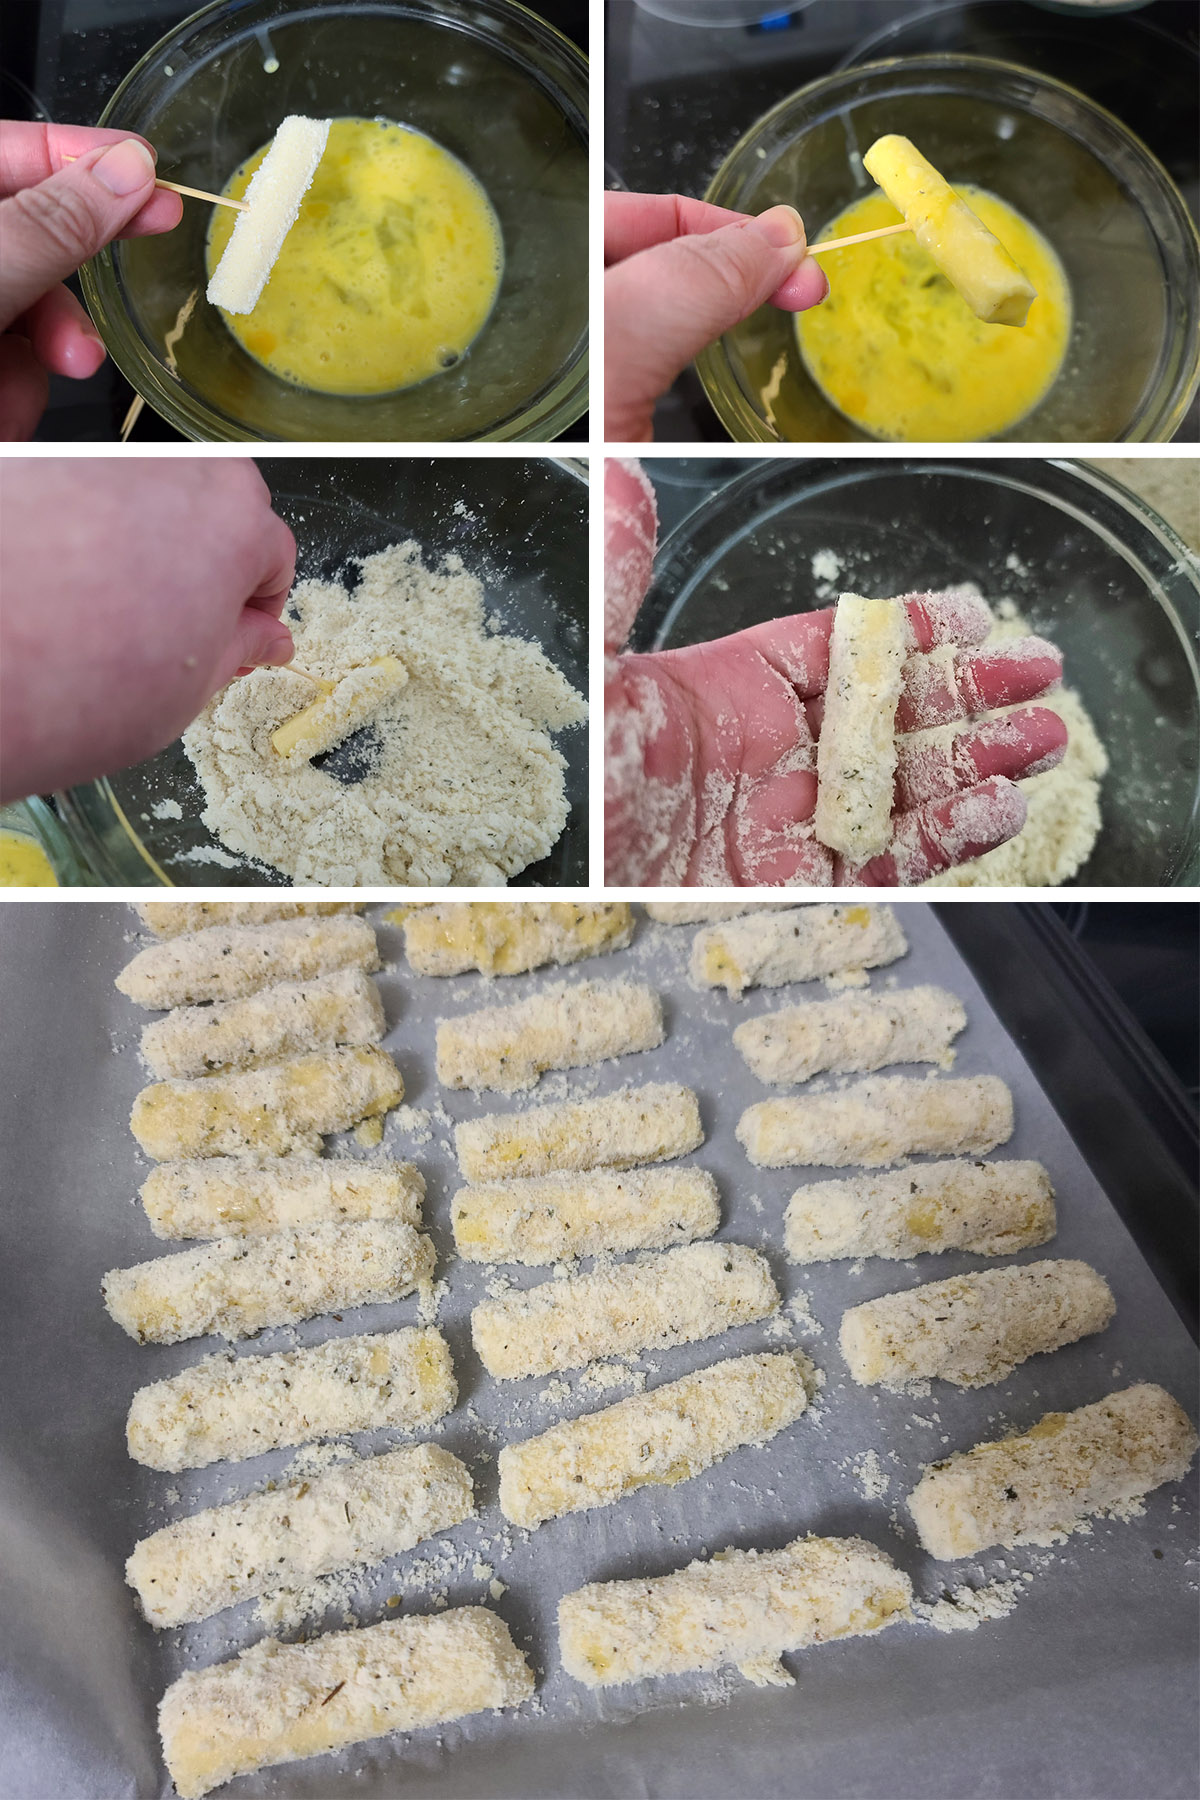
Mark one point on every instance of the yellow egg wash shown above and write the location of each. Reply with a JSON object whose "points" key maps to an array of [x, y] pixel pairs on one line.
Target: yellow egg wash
{"points": [[387, 276], [898, 350], [24, 863]]}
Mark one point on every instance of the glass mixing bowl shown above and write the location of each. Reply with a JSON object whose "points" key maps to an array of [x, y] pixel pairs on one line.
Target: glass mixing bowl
{"points": [[488, 80], [1109, 209], [520, 525], [1087, 563]]}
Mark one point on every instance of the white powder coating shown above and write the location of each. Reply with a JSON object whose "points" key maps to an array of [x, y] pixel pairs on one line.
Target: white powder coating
{"points": [[696, 912], [460, 784], [293, 1016], [796, 943], [283, 1107], [228, 1407], [353, 702], [856, 754], [550, 1218], [357, 1514], [678, 1297], [744, 1607], [852, 1034], [879, 1122], [277, 1703], [1032, 1488], [504, 938], [651, 1440], [566, 1026], [229, 962], [635, 1125], [240, 1196], [974, 1329], [273, 199], [989, 1209], [236, 1286], [171, 918]]}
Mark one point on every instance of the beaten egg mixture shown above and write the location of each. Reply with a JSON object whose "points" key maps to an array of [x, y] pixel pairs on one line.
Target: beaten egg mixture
{"points": [[387, 276], [898, 350]]}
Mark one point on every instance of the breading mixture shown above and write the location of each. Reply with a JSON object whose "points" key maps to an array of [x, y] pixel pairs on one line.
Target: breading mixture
{"points": [[548, 1218], [565, 1026], [990, 1209], [238, 1196], [852, 1034]]}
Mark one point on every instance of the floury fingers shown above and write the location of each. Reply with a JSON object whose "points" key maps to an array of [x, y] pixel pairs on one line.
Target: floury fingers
{"points": [[276, 1703], [743, 1608]]}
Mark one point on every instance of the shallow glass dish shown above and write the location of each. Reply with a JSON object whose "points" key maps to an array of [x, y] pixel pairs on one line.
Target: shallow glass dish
{"points": [[489, 81], [1087, 563], [520, 525], [1111, 212]]}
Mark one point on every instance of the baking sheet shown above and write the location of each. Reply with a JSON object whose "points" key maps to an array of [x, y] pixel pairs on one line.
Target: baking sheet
{"points": [[1086, 1688]]}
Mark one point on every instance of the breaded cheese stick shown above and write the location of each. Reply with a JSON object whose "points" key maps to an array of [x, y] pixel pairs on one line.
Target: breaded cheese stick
{"points": [[220, 1196], [285, 1020], [795, 943], [228, 1407], [654, 1439], [236, 1286], [990, 1209], [500, 937], [995, 288], [974, 1329], [743, 1608], [277, 1703], [171, 918], [564, 1027], [851, 1034], [349, 704], [1030, 1489], [617, 1131], [273, 199], [550, 1218], [856, 751], [358, 1513], [283, 1107], [698, 912], [878, 1122], [228, 962], [678, 1297]]}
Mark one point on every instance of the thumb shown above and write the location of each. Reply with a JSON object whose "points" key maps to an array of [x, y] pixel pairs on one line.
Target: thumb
{"points": [[666, 304], [259, 640], [47, 230]]}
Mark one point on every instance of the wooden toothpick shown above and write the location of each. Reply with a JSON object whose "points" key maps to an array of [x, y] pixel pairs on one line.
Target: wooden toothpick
{"points": [[192, 193], [326, 687], [860, 237]]}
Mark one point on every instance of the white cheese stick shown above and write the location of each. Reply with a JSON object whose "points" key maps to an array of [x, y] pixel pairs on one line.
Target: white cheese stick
{"points": [[357, 1514], [650, 1440], [349, 704], [551, 1218], [1032, 1488], [856, 751], [851, 1034], [228, 962], [743, 1608], [171, 918], [678, 1297], [617, 1131], [566, 1026], [277, 1703], [284, 1020], [228, 1407], [240, 1196], [283, 1107], [990, 1209], [500, 937], [796, 943], [878, 1122], [236, 1286], [273, 199], [698, 912], [974, 1329]]}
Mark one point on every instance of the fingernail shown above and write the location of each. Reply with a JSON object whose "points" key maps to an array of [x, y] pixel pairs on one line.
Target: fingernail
{"points": [[278, 655], [782, 227], [125, 168]]}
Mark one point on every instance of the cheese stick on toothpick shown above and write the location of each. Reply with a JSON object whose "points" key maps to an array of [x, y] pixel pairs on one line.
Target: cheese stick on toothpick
{"points": [[273, 203]]}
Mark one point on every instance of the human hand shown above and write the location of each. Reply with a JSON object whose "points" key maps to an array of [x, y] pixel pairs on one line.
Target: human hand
{"points": [[54, 214], [710, 751], [133, 591], [677, 274]]}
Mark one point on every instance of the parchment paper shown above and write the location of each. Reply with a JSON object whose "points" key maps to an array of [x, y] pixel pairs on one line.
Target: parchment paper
{"points": [[1086, 1688]]}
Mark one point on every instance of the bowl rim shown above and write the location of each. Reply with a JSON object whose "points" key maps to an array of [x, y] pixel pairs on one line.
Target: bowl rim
{"points": [[728, 400], [550, 411]]}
